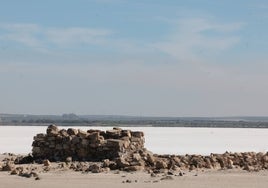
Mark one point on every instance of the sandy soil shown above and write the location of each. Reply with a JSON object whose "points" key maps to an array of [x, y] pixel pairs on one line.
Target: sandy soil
{"points": [[70, 179]]}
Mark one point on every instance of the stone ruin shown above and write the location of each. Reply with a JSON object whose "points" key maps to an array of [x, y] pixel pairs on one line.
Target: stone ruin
{"points": [[117, 149], [124, 150], [91, 145]]}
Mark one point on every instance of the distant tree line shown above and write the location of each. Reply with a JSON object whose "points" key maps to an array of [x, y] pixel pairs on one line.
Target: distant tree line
{"points": [[154, 123]]}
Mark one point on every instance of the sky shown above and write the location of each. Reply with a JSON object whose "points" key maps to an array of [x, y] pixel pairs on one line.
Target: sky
{"points": [[141, 58]]}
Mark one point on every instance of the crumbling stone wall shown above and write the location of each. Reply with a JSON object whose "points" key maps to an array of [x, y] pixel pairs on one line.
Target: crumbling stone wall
{"points": [[93, 145]]}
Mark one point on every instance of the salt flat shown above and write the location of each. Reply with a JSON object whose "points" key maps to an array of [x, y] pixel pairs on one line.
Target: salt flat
{"points": [[161, 140]]}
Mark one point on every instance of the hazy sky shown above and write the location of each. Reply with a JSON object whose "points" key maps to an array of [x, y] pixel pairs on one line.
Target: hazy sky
{"points": [[134, 57]]}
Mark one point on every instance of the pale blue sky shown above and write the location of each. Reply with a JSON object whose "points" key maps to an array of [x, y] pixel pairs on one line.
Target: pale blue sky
{"points": [[139, 57]]}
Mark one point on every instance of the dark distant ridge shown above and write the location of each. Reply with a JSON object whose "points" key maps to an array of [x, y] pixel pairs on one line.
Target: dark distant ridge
{"points": [[122, 120], [127, 117], [223, 118]]}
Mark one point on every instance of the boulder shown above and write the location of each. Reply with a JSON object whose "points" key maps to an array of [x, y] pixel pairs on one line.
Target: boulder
{"points": [[17, 170], [208, 163], [160, 164], [24, 159], [106, 163], [197, 161], [95, 168], [249, 168], [176, 159], [82, 166], [265, 159], [113, 165], [136, 157], [150, 158], [9, 166], [14, 172], [121, 163], [230, 164], [68, 159], [46, 162]]}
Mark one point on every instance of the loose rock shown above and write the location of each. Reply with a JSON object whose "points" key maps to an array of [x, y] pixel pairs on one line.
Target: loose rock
{"points": [[46, 162]]}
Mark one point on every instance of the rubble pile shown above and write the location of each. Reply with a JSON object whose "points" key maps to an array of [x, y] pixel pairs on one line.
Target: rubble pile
{"points": [[250, 161]]}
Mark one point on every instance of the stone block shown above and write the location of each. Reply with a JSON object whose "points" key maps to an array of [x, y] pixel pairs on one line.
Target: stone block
{"points": [[93, 137], [63, 133], [137, 134], [72, 131], [51, 138], [59, 147], [115, 143], [40, 137], [36, 150], [85, 142], [126, 133], [82, 134], [76, 140], [52, 130], [113, 134]]}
